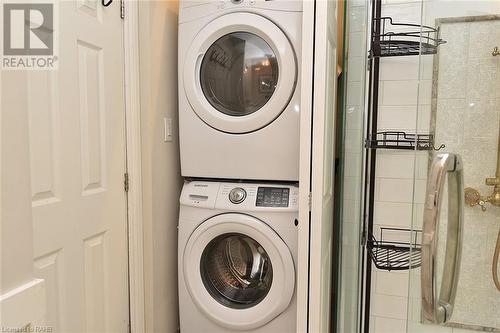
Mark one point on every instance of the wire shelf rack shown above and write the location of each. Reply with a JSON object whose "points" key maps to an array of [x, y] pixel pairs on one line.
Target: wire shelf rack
{"points": [[401, 140], [403, 252], [391, 39]]}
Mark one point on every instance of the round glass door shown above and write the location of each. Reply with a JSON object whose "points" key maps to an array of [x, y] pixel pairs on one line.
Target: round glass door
{"points": [[236, 270], [239, 73]]}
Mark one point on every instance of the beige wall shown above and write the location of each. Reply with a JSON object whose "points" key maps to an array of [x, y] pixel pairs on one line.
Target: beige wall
{"points": [[161, 169]]}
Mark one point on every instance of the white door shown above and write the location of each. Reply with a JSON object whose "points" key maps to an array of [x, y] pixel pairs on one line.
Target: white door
{"points": [[77, 146], [322, 164]]}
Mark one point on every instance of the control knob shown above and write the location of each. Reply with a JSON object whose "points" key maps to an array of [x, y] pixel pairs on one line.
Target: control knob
{"points": [[237, 195]]}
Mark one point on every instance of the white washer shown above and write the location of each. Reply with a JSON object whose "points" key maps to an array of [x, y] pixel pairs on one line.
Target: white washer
{"points": [[237, 249], [238, 96]]}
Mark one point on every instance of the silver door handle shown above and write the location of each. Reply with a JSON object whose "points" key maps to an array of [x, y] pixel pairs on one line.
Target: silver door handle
{"points": [[438, 308]]}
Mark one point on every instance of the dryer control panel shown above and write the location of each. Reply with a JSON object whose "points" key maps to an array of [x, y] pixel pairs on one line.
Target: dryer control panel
{"points": [[190, 10]]}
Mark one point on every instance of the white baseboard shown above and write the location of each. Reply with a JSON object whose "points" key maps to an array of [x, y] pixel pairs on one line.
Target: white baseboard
{"points": [[23, 307]]}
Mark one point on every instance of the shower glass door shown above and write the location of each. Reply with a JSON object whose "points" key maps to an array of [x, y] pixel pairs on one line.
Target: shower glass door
{"points": [[346, 309], [458, 105]]}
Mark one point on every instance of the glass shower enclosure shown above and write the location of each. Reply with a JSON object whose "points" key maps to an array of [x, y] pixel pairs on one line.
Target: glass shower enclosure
{"points": [[461, 293], [420, 215]]}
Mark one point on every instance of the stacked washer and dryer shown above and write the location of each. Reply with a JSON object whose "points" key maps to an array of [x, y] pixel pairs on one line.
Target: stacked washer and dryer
{"points": [[239, 144]]}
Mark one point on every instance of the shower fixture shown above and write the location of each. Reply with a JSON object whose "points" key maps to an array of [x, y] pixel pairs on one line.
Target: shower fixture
{"points": [[474, 198]]}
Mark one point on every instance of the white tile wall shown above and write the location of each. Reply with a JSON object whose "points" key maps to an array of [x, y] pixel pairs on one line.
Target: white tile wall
{"points": [[394, 190], [391, 283], [393, 214], [399, 68], [395, 164], [398, 92], [388, 306], [397, 117], [388, 325]]}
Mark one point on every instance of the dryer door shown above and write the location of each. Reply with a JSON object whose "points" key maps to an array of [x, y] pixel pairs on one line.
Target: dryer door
{"points": [[238, 271], [240, 73]]}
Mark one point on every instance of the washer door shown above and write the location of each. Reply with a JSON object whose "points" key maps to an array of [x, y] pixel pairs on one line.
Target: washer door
{"points": [[240, 73], [238, 271]]}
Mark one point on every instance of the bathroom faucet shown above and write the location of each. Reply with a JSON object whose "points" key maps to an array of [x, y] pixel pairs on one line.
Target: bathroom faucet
{"points": [[474, 198], [496, 52]]}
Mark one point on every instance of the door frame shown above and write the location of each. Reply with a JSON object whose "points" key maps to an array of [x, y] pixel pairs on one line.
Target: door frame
{"points": [[133, 166], [304, 228], [309, 279]]}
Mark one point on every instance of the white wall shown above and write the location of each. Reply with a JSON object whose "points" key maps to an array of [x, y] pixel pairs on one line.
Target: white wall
{"points": [[457, 8], [160, 166]]}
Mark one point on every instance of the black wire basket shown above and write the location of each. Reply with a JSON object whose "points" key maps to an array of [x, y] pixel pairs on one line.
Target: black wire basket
{"points": [[396, 255], [391, 39], [401, 140]]}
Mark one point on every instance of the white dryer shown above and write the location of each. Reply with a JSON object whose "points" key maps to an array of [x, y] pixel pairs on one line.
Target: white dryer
{"points": [[238, 96], [237, 249]]}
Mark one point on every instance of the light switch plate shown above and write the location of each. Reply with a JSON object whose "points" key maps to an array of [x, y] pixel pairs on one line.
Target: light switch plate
{"points": [[167, 129]]}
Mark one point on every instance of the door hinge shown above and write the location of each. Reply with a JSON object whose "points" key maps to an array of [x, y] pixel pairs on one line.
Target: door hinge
{"points": [[126, 181], [309, 203], [122, 9]]}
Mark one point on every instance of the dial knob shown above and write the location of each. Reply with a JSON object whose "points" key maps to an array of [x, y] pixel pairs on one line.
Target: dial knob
{"points": [[237, 195]]}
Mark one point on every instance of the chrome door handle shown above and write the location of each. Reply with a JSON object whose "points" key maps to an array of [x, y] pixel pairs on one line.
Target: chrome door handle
{"points": [[438, 308]]}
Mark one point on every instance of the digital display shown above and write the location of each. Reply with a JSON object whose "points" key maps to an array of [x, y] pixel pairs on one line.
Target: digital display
{"points": [[272, 197]]}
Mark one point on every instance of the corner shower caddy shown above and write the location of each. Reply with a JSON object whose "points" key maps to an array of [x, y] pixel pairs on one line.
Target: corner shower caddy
{"points": [[390, 254], [390, 39], [401, 140], [402, 39]]}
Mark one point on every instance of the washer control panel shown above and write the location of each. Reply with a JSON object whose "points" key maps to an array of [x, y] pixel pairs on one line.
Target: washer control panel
{"points": [[258, 197], [272, 197], [240, 196], [237, 195]]}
